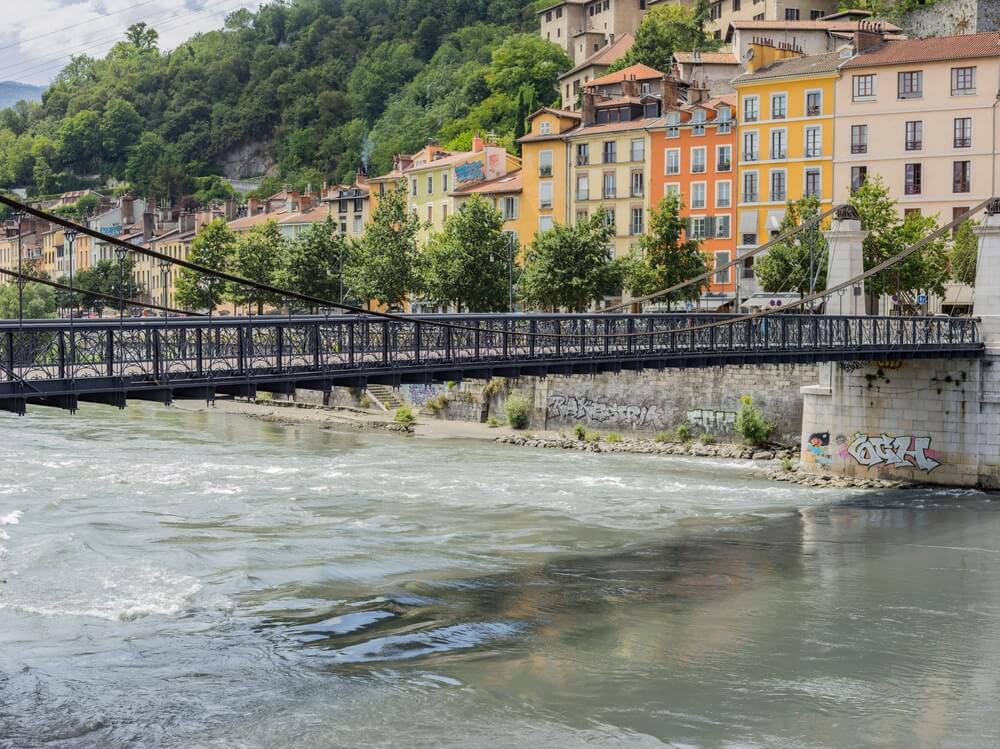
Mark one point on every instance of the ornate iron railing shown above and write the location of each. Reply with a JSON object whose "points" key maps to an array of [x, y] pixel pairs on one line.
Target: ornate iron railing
{"points": [[52, 356]]}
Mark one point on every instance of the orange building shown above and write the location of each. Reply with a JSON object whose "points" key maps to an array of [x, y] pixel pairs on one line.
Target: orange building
{"points": [[692, 153]]}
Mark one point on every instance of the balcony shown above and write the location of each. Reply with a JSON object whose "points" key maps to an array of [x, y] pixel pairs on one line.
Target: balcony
{"points": [[723, 166], [914, 145], [582, 160], [778, 196], [963, 142], [750, 155], [778, 154], [637, 192], [750, 196], [813, 153], [813, 111], [545, 170], [607, 194], [697, 169], [778, 116], [859, 148], [749, 117], [961, 186]]}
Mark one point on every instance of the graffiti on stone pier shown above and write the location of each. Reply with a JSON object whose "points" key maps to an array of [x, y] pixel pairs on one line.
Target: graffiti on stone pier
{"points": [[818, 449], [887, 451], [581, 408], [711, 420]]}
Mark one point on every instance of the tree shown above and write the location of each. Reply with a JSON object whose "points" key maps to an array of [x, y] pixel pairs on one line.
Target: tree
{"points": [[527, 60], [965, 253], [121, 126], [313, 262], [155, 170], [467, 263], [213, 248], [666, 28], [258, 257], [385, 263], [39, 301], [923, 271], [570, 267], [144, 38], [666, 259], [799, 263]]}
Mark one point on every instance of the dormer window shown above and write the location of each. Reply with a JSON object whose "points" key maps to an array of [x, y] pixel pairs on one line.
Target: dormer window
{"points": [[545, 127]]}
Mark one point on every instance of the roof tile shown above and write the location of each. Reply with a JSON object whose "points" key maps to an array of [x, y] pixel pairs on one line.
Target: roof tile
{"points": [[901, 51]]}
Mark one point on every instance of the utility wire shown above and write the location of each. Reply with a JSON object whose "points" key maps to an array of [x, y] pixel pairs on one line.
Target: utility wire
{"points": [[19, 42]]}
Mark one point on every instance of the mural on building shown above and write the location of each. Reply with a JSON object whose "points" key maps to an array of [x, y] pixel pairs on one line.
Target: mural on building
{"points": [[818, 449], [581, 408], [709, 419], [886, 451], [472, 171]]}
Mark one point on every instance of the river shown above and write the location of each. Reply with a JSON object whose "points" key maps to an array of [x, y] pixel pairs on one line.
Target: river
{"points": [[178, 579]]}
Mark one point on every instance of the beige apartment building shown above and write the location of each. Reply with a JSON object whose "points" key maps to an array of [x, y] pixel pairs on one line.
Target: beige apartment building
{"points": [[583, 27], [922, 114]]}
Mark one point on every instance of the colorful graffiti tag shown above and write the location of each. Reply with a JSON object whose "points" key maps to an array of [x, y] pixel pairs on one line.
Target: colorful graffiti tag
{"points": [[472, 171], [706, 418], [878, 451], [818, 449]]}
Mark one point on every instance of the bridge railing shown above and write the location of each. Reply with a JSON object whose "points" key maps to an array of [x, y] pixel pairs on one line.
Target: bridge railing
{"points": [[158, 349]]}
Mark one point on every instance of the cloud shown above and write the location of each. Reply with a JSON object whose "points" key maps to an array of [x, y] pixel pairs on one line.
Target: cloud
{"points": [[38, 37]]}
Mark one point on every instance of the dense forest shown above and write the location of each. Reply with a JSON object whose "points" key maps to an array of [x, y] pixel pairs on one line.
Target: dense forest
{"points": [[315, 88]]}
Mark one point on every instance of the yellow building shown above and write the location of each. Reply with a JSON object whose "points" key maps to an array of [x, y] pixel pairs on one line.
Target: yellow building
{"points": [[545, 196], [785, 139], [53, 255]]}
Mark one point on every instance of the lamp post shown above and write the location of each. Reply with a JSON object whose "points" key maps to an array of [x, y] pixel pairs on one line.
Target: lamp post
{"points": [[122, 253], [70, 238], [511, 241], [19, 218], [164, 278]]}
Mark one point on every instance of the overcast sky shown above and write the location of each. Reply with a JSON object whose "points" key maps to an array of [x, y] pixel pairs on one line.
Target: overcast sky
{"points": [[38, 37]]}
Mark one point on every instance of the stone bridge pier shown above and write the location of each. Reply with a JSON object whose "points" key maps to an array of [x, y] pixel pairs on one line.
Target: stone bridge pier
{"points": [[928, 420]]}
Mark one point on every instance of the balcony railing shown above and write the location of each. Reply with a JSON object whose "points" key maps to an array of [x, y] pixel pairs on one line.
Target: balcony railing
{"points": [[582, 160], [723, 166], [780, 153], [813, 111], [750, 196], [778, 195], [914, 145], [750, 155], [545, 171], [963, 142], [859, 148]]}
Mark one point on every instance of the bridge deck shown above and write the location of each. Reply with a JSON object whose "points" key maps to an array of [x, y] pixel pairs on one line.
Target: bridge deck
{"points": [[56, 363]]}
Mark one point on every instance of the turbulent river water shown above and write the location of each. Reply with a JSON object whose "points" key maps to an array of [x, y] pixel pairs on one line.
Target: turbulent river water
{"points": [[177, 579]]}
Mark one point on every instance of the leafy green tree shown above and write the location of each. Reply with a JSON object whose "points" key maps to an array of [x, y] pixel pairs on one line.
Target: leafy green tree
{"points": [[154, 169], [467, 263], [259, 256], [385, 263], [800, 263], [121, 126], [385, 68], [965, 253], [80, 140], [665, 258], [313, 262], [923, 271], [527, 60], [571, 267], [39, 301], [665, 29], [144, 38], [213, 248]]}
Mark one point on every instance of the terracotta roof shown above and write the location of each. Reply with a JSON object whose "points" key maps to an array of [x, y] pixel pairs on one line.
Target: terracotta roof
{"points": [[901, 51], [795, 66], [312, 216], [707, 58], [512, 182], [558, 112], [632, 72], [617, 101], [248, 222], [446, 160], [605, 55], [611, 127]]}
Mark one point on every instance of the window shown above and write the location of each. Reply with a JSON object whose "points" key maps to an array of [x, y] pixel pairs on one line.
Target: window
{"points": [[715, 11], [723, 194], [778, 192], [413, 188], [815, 15], [545, 195], [914, 135], [721, 267], [559, 12], [430, 213], [779, 106], [858, 176], [957, 212], [697, 228], [910, 85], [609, 185], [673, 125], [736, 5], [444, 182], [673, 161], [545, 164], [759, 16], [548, 17], [510, 208], [813, 186], [751, 109], [672, 188], [722, 227], [814, 103], [698, 195], [791, 14], [430, 184], [444, 212], [638, 151], [859, 139], [581, 215], [582, 154], [963, 132], [725, 121], [814, 142], [911, 184], [778, 144], [609, 152], [863, 87], [963, 81], [961, 176], [750, 146], [698, 120], [609, 217], [583, 187], [637, 223], [544, 224], [698, 160], [637, 185], [723, 158], [750, 187], [359, 224]]}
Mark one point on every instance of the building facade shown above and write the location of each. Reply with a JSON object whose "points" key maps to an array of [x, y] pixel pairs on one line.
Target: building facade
{"points": [[545, 158]]}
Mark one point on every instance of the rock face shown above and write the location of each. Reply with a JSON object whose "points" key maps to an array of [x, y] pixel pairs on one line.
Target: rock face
{"points": [[247, 160]]}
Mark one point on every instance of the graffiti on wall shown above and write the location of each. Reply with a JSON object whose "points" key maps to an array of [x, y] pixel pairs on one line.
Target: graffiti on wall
{"points": [[711, 420], [886, 451], [472, 171], [581, 408], [818, 449], [418, 395]]}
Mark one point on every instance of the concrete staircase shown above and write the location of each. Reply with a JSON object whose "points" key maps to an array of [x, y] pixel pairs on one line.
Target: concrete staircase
{"points": [[384, 397]]}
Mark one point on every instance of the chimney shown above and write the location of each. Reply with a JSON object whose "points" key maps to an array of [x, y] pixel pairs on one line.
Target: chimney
{"points": [[588, 109], [147, 226], [186, 223], [361, 178], [232, 210], [868, 35], [254, 206], [292, 202], [126, 207], [478, 144], [630, 87], [670, 91]]}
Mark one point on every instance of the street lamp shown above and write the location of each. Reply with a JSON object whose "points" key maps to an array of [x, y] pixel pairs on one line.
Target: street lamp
{"points": [[19, 219], [70, 238], [122, 253], [164, 278]]}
